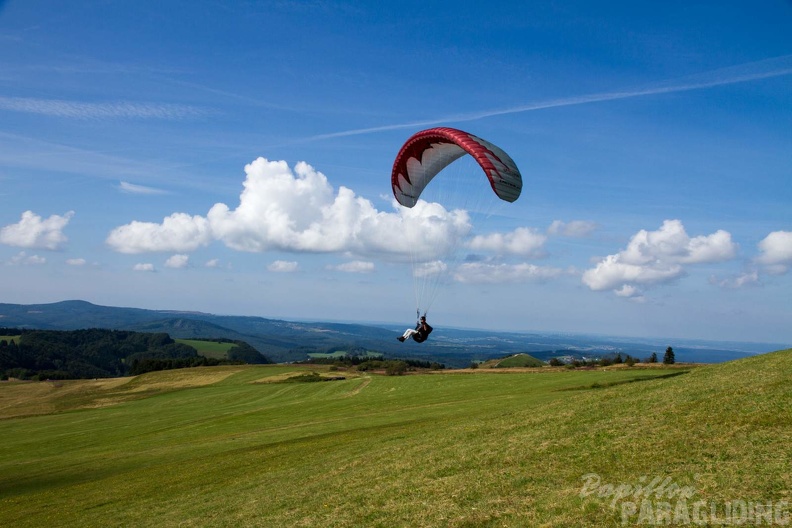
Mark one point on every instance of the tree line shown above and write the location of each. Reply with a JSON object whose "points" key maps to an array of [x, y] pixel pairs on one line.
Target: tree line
{"points": [[98, 353], [669, 358], [392, 367]]}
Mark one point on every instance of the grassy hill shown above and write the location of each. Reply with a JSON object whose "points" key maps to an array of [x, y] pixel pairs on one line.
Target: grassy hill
{"points": [[518, 360], [212, 349], [233, 446]]}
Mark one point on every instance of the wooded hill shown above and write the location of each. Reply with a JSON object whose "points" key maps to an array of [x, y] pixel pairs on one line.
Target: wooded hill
{"points": [[99, 353], [287, 341]]}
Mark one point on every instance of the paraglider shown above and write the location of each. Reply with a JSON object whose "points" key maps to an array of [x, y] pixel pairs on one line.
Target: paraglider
{"points": [[423, 157], [430, 151], [419, 334]]}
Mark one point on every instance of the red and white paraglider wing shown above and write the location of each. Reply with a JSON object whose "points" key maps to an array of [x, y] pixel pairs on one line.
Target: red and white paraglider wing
{"points": [[430, 151]]}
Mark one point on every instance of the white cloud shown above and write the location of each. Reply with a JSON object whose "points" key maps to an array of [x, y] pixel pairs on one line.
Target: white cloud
{"points": [[212, 263], [656, 257], [355, 266], [613, 273], [32, 231], [743, 280], [717, 247], [81, 110], [573, 229], [144, 267], [430, 269], [776, 252], [299, 211], [131, 188], [178, 232], [283, 266], [523, 241], [23, 259], [629, 292], [177, 261], [480, 272], [76, 262]]}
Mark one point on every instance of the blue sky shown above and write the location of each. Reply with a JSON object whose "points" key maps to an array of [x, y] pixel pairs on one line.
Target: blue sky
{"points": [[235, 157]]}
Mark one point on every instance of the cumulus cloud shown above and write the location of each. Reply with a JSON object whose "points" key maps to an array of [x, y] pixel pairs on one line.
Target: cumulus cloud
{"points": [[482, 272], [776, 252], [299, 211], [34, 232], [355, 266], [178, 232], [76, 262], [523, 241], [144, 267], [630, 292], [177, 261], [573, 229], [614, 273], [212, 263], [283, 266], [430, 269], [656, 257]]}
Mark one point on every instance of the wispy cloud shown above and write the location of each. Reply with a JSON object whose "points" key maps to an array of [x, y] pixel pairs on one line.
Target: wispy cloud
{"points": [[232, 95], [23, 259], [355, 266], [131, 188], [32, 153], [752, 71], [573, 229], [112, 110], [283, 266]]}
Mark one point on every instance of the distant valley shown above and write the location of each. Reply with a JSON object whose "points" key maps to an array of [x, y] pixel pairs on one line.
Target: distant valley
{"points": [[290, 341]]}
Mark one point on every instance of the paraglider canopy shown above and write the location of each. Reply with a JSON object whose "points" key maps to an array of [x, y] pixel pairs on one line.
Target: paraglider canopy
{"points": [[428, 152]]}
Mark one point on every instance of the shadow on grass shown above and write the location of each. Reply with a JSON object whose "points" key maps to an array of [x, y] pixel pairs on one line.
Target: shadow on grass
{"points": [[598, 385]]}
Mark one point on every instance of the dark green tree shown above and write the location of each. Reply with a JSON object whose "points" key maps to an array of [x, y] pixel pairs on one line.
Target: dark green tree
{"points": [[396, 368], [652, 358], [668, 358]]}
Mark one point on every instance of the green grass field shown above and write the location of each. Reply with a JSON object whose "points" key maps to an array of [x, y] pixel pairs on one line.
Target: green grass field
{"points": [[232, 447], [210, 349]]}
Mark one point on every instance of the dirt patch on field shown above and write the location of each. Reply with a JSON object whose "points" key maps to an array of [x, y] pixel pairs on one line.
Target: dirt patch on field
{"points": [[25, 398], [177, 379], [30, 398]]}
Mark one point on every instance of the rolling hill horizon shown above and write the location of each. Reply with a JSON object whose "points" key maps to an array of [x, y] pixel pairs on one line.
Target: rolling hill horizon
{"points": [[288, 341]]}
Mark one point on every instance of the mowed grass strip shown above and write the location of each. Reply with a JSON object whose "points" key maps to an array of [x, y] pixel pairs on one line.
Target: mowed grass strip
{"points": [[477, 449]]}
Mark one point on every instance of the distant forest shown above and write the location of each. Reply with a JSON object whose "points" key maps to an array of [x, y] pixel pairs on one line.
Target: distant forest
{"points": [[99, 353]]}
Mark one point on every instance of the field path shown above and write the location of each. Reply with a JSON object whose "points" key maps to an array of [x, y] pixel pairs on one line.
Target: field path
{"points": [[363, 385]]}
